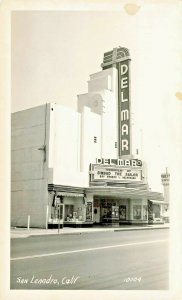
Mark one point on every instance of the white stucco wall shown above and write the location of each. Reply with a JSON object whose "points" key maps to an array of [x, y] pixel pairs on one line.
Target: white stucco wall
{"points": [[99, 111], [64, 146], [109, 125], [105, 83], [90, 129], [29, 173]]}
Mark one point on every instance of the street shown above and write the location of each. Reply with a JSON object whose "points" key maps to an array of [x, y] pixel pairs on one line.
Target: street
{"points": [[123, 260]]}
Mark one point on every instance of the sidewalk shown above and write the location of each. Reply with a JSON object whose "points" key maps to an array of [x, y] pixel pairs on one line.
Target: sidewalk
{"points": [[24, 232]]}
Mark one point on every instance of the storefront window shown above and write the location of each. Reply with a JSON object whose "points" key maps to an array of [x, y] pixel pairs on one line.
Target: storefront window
{"points": [[137, 212], [156, 210], [69, 212]]}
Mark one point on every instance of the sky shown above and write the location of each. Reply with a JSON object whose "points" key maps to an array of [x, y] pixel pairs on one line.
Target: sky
{"points": [[54, 52]]}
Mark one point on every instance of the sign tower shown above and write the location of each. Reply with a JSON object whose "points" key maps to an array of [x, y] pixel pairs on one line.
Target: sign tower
{"points": [[120, 59]]}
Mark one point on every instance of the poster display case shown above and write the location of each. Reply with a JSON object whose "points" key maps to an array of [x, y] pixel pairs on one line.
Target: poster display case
{"points": [[89, 212]]}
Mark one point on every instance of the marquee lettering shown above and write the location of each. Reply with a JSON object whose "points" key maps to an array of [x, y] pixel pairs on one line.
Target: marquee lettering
{"points": [[119, 162], [122, 97], [124, 115], [124, 129], [124, 145], [124, 82], [124, 69]]}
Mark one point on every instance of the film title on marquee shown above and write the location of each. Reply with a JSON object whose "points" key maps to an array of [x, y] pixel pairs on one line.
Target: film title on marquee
{"points": [[117, 169]]}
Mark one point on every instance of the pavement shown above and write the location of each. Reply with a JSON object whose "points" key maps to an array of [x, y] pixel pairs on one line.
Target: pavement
{"points": [[121, 260], [24, 232]]}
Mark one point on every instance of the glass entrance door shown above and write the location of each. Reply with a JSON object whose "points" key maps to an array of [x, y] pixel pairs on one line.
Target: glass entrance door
{"points": [[109, 211], [122, 212], [106, 212]]}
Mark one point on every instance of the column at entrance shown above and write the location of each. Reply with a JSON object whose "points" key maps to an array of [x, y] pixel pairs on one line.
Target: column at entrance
{"points": [[96, 211], [130, 210]]}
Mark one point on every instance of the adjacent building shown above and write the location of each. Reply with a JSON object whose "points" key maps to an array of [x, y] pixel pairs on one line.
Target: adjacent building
{"points": [[78, 168], [165, 179]]}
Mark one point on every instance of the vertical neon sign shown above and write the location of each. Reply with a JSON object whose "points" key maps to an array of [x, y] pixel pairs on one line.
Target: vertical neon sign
{"points": [[124, 109]]}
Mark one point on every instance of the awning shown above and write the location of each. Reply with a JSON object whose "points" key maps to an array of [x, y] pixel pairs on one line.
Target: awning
{"points": [[158, 202], [66, 194], [132, 193]]}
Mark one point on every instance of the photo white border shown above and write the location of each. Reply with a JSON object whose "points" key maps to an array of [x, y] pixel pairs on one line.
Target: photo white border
{"points": [[5, 111]]}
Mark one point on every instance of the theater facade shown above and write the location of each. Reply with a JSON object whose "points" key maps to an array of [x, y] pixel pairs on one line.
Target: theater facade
{"points": [[81, 168]]}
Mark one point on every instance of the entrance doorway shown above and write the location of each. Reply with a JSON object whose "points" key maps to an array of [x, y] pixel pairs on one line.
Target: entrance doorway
{"points": [[122, 212], [109, 212]]}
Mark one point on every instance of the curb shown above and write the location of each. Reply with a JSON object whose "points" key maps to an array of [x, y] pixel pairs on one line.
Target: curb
{"points": [[86, 232], [151, 228]]}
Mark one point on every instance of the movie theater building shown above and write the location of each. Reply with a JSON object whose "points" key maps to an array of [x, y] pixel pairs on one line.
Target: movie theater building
{"points": [[78, 168]]}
